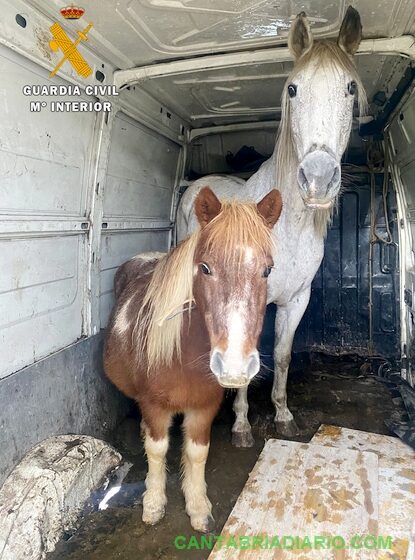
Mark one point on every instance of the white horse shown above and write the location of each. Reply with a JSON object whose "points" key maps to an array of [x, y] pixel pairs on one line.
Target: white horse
{"points": [[316, 120]]}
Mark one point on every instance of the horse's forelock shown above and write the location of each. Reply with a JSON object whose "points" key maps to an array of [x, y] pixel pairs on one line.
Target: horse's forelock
{"points": [[237, 227], [327, 53]]}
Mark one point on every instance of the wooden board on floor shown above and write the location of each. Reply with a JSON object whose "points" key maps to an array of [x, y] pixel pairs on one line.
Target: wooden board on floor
{"points": [[298, 489], [396, 481]]}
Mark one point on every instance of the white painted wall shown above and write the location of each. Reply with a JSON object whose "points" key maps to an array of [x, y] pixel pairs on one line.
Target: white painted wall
{"points": [[52, 261], [44, 165], [137, 199]]}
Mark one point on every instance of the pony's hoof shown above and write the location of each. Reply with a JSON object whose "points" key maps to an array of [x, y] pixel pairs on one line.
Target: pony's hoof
{"points": [[287, 428], [153, 516], [242, 439], [202, 524]]}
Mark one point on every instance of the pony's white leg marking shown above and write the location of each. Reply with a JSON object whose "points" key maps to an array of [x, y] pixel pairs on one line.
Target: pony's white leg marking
{"points": [[241, 430], [286, 322], [154, 500], [198, 506]]}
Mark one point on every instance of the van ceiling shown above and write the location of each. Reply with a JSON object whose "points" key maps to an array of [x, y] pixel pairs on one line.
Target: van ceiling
{"points": [[251, 93], [131, 33]]}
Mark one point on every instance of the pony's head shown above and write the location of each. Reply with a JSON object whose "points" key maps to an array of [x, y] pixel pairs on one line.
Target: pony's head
{"points": [[232, 261], [317, 108], [222, 268]]}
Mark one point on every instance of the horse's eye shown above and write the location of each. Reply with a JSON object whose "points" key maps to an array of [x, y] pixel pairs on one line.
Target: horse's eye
{"points": [[352, 87], [204, 268], [267, 272], [292, 90]]}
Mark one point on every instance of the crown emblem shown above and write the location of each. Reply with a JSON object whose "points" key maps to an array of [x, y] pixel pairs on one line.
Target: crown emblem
{"points": [[72, 12]]}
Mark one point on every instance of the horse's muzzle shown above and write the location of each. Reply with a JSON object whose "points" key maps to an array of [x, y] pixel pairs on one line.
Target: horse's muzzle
{"points": [[234, 372], [319, 179]]}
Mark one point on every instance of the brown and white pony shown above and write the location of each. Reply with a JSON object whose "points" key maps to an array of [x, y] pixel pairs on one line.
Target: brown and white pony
{"points": [[187, 326]]}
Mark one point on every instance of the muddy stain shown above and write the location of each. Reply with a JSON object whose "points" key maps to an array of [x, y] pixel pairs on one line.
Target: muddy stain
{"points": [[408, 488], [279, 509], [339, 554], [400, 548], [343, 499], [407, 473], [314, 508], [372, 526], [333, 432], [42, 41], [362, 472]]}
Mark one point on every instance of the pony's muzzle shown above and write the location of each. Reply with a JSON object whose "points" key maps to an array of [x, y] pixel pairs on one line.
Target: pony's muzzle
{"points": [[319, 179], [234, 372]]}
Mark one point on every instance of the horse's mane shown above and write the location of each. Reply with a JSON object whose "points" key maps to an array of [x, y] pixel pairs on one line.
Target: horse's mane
{"points": [[158, 327], [324, 53]]}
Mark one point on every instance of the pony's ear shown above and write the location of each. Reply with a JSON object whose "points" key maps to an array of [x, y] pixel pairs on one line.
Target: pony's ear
{"points": [[350, 33], [207, 206], [270, 207], [300, 38]]}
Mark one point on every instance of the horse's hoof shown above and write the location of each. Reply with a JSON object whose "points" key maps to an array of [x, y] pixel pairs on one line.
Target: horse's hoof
{"points": [[242, 439], [202, 524], [287, 428], [153, 516]]}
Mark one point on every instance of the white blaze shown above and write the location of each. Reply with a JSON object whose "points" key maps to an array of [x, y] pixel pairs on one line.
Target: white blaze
{"points": [[233, 357]]}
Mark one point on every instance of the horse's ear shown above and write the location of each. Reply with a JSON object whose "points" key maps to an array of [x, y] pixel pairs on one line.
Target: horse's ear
{"points": [[270, 207], [350, 33], [207, 206], [300, 38]]}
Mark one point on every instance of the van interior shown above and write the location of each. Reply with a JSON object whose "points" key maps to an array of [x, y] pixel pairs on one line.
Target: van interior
{"points": [[194, 88]]}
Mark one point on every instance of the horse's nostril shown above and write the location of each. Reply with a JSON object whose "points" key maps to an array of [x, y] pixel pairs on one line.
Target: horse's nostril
{"points": [[216, 362], [318, 173], [302, 179], [253, 364]]}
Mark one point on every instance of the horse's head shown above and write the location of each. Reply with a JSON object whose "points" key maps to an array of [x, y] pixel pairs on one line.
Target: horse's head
{"points": [[233, 259], [317, 107]]}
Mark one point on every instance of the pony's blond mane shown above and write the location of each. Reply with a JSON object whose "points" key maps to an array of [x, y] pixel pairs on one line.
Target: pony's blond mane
{"points": [[324, 53], [158, 327]]}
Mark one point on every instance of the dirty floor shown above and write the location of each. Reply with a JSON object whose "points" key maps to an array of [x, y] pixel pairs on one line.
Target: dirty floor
{"points": [[342, 392]]}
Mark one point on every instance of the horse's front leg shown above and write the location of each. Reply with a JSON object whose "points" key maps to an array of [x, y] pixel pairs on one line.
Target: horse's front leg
{"points": [[197, 425], [241, 430], [155, 426], [286, 322]]}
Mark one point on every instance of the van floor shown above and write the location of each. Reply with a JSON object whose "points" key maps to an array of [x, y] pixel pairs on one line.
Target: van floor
{"points": [[335, 391]]}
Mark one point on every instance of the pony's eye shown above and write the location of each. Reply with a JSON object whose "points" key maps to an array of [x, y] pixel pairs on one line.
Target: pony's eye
{"points": [[292, 90], [352, 87], [267, 272], [204, 268]]}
